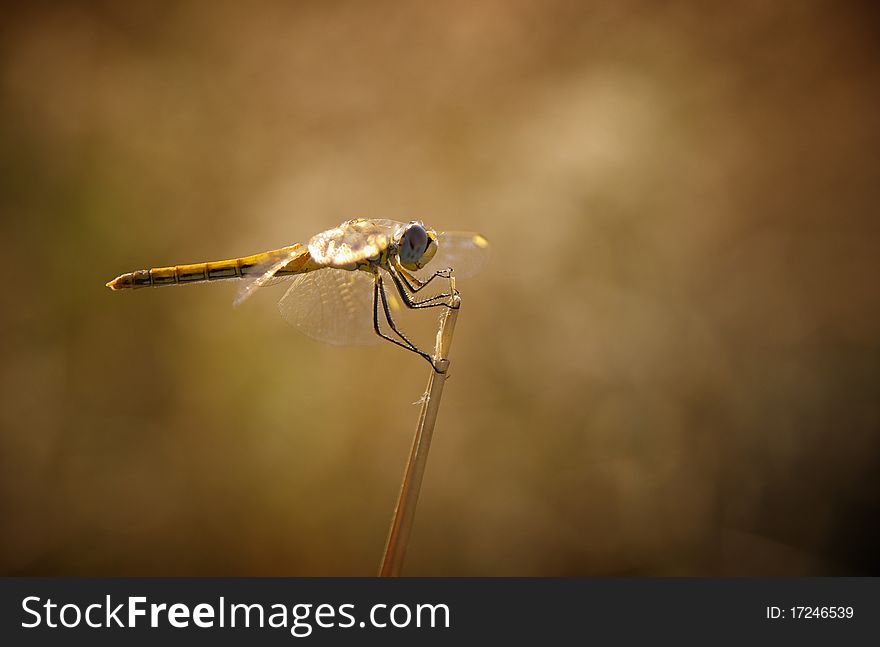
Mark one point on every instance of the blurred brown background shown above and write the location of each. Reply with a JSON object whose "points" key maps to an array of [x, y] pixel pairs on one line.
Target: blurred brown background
{"points": [[670, 366]]}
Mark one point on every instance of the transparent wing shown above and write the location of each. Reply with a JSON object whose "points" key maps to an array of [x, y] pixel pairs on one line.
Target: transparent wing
{"points": [[263, 275], [333, 306], [465, 252], [353, 241]]}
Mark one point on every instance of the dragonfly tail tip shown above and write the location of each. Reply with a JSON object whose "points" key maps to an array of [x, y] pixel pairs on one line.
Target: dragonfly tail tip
{"points": [[116, 284]]}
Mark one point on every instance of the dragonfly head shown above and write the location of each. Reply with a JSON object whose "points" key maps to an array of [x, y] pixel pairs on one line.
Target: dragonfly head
{"points": [[417, 246]]}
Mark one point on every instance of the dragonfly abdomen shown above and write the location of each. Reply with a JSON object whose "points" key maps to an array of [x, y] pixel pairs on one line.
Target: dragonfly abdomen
{"points": [[234, 268]]}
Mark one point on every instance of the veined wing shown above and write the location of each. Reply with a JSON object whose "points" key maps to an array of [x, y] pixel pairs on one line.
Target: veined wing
{"points": [[333, 306], [264, 273], [465, 252], [353, 241]]}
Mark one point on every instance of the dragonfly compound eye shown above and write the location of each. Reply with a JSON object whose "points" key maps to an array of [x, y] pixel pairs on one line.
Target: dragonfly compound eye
{"points": [[413, 246]]}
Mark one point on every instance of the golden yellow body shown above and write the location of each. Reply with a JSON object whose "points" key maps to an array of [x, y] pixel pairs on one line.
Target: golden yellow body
{"points": [[343, 304], [234, 268]]}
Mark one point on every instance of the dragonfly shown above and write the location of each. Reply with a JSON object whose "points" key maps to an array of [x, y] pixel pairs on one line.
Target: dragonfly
{"points": [[341, 275]]}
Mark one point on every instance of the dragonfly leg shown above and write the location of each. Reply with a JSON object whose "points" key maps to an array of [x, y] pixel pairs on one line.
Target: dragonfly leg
{"points": [[415, 284], [379, 294], [431, 302]]}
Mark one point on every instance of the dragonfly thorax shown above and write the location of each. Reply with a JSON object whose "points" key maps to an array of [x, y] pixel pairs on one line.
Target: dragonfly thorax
{"points": [[417, 246]]}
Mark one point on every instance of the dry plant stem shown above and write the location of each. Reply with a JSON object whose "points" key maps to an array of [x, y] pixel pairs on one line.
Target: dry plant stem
{"points": [[405, 511]]}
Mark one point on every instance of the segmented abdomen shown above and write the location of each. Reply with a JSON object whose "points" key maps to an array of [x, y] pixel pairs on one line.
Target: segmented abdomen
{"points": [[233, 268]]}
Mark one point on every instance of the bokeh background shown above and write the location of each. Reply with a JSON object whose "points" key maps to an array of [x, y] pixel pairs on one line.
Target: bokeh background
{"points": [[670, 366]]}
